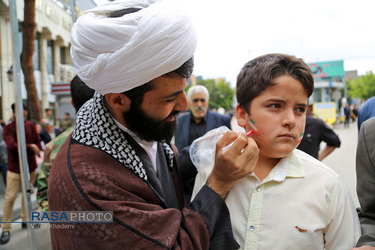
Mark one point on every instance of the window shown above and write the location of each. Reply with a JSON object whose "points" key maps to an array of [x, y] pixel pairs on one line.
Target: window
{"points": [[36, 60], [50, 56]]}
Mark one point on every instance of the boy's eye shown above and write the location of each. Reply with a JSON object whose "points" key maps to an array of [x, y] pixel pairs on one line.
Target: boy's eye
{"points": [[301, 110]]}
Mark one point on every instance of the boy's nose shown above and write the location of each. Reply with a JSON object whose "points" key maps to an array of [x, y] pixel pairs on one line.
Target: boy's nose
{"points": [[289, 119]]}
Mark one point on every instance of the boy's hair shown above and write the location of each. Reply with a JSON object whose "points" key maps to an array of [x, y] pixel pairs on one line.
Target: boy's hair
{"points": [[259, 73]]}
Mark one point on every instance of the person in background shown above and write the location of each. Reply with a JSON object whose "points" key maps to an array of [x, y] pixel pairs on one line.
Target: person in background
{"points": [[66, 122], [48, 131], [3, 154], [199, 119], [80, 93], [192, 125], [49, 115], [33, 148], [347, 113], [366, 111], [354, 113], [292, 200], [316, 131], [118, 157], [365, 167]]}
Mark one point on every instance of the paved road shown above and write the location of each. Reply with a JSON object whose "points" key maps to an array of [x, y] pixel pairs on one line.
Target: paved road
{"points": [[342, 160]]}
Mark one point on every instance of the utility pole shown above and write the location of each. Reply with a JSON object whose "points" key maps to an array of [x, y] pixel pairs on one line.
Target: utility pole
{"points": [[21, 138], [73, 10]]}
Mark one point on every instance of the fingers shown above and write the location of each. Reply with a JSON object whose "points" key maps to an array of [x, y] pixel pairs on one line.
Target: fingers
{"points": [[236, 157], [228, 138], [237, 144]]}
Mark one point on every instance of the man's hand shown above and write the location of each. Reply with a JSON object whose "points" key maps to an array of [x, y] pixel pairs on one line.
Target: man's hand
{"points": [[364, 248], [233, 163], [35, 149]]}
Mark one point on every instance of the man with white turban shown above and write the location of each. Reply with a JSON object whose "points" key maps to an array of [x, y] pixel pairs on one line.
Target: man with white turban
{"points": [[138, 56]]}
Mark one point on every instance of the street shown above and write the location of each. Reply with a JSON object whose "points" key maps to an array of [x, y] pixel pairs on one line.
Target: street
{"points": [[342, 160]]}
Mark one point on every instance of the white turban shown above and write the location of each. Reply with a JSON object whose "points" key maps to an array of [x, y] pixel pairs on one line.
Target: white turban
{"points": [[114, 55]]}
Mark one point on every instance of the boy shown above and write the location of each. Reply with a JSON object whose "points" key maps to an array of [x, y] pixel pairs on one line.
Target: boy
{"points": [[291, 200]]}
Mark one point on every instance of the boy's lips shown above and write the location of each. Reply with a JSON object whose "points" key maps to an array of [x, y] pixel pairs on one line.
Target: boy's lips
{"points": [[290, 135]]}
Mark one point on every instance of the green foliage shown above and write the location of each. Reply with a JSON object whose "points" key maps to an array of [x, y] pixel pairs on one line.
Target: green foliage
{"points": [[221, 94], [362, 87]]}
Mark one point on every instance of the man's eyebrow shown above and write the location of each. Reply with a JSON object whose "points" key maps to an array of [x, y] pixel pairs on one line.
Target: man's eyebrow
{"points": [[173, 94]]}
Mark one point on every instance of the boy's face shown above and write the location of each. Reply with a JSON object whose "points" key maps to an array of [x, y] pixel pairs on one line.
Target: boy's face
{"points": [[279, 115]]}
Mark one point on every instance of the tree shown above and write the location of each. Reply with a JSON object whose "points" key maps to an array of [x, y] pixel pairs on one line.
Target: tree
{"points": [[29, 30], [226, 95], [221, 94], [362, 87]]}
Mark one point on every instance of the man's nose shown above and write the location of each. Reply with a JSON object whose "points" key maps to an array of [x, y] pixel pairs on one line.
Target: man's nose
{"points": [[182, 103]]}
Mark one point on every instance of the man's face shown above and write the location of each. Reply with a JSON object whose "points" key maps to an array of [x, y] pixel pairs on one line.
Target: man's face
{"points": [[155, 119], [199, 105], [49, 128]]}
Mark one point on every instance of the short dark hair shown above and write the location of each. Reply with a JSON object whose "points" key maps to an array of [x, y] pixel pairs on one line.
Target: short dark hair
{"points": [[13, 106], [80, 92], [259, 73]]}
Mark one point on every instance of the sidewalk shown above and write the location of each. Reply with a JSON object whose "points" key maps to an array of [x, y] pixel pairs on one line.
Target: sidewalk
{"points": [[17, 205], [18, 236]]}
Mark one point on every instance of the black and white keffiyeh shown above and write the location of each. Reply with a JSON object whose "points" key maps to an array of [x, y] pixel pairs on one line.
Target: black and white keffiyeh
{"points": [[96, 128]]}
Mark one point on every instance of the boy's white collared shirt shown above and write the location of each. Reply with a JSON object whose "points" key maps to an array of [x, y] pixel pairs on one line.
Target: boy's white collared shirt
{"points": [[299, 205]]}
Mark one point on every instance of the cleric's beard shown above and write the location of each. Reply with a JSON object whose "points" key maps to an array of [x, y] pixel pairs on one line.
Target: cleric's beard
{"points": [[148, 128]]}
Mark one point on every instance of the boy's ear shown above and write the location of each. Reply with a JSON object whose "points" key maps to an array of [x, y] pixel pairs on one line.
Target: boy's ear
{"points": [[241, 115], [118, 102]]}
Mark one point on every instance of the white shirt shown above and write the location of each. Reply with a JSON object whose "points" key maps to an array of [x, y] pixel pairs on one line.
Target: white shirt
{"points": [[151, 148], [301, 204]]}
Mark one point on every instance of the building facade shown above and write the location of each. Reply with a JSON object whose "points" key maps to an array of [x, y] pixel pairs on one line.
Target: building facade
{"points": [[52, 61], [329, 81]]}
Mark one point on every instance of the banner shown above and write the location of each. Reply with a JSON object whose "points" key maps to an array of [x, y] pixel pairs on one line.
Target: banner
{"points": [[324, 70], [325, 111]]}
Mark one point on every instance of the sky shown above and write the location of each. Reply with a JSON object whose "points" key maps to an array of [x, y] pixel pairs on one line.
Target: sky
{"points": [[230, 33]]}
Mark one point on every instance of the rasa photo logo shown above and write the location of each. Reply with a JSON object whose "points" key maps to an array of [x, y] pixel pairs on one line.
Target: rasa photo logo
{"points": [[72, 217]]}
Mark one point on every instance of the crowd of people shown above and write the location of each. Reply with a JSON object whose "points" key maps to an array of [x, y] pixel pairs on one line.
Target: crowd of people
{"points": [[128, 151], [37, 136]]}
